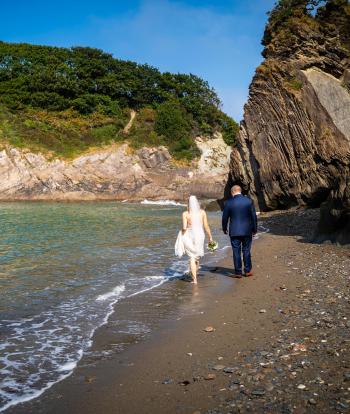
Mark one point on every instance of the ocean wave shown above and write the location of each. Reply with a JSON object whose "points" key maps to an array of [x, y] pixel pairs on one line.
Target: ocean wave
{"points": [[115, 293], [30, 395], [60, 358], [162, 202]]}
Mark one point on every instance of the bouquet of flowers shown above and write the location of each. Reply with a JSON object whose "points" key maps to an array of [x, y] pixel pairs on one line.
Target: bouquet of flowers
{"points": [[212, 246]]}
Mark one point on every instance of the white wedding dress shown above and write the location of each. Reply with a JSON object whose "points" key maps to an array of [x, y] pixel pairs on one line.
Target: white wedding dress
{"points": [[192, 241]]}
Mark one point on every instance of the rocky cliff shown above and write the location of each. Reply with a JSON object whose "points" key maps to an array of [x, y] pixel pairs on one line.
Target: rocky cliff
{"points": [[115, 172], [294, 142]]}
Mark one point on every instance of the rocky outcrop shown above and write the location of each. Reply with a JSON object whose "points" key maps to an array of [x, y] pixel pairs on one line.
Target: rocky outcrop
{"points": [[294, 142], [116, 172]]}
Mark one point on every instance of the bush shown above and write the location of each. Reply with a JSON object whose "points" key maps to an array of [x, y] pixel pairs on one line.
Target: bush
{"points": [[185, 148], [142, 132], [172, 121], [104, 134], [230, 130], [50, 100], [295, 84]]}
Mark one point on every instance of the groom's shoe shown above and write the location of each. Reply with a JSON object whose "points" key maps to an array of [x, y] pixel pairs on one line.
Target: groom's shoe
{"points": [[249, 274], [237, 275]]}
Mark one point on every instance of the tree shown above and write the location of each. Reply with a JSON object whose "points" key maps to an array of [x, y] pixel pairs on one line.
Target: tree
{"points": [[172, 121], [282, 11]]}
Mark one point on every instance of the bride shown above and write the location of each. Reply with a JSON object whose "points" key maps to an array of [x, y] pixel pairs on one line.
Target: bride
{"points": [[191, 238]]}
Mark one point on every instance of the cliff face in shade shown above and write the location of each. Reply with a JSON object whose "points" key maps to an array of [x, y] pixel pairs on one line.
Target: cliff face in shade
{"points": [[116, 172], [294, 142]]}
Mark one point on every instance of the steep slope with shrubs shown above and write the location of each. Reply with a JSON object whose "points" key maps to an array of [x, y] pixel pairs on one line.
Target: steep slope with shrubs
{"points": [[64, 101]]}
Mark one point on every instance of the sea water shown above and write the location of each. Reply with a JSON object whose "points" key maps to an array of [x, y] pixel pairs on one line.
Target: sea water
{"points": [[63, 269]]}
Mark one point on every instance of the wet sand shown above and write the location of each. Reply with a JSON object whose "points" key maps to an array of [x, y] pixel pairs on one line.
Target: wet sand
{"points": [[282, 337]]}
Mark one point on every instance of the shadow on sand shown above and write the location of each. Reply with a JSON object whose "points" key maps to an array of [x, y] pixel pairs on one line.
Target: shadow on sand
{"points": [[218, 270], [300, 223]]}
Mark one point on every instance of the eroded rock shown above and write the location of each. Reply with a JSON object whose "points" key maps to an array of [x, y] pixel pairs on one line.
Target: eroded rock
{"points": [[294, 142], [116, 172]]}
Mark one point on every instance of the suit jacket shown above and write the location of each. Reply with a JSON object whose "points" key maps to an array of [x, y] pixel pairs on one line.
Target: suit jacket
{"points": [[240, 212]]}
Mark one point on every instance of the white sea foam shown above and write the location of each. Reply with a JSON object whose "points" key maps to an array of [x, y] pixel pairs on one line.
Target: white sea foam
{"points": [[68, 366], [146, 289], [30, 395], [115, 293], [162, 202]]}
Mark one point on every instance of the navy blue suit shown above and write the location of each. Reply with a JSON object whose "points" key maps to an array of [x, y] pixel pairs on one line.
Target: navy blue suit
{"points": [[239, 212]]}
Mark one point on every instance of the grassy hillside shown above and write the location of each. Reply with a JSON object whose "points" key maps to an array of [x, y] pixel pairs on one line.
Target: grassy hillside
{"points": [[65, 101]]}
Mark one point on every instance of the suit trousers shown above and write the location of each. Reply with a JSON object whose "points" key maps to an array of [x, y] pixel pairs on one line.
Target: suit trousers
{"points": [[241, 245]]}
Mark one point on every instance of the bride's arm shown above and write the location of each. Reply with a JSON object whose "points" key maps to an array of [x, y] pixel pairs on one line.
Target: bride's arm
{"points": [[206, 226], [184, 222]]}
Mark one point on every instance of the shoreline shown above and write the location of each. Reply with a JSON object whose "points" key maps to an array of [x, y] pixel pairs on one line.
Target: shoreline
{"points": [[179, 202], [180, 367]]}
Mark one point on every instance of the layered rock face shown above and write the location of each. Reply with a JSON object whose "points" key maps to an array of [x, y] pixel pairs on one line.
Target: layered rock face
{"points": [[115, 172], [294, 142]]}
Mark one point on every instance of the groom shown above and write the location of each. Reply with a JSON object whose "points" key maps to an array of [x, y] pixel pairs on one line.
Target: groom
{"points": [[240, 211]]}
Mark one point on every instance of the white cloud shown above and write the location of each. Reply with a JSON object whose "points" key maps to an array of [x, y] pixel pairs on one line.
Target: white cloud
{"points": [[221, 48]]}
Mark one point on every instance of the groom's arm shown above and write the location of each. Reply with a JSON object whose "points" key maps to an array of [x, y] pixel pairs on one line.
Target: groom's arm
{"points": [[254, 219], [225, 216]]}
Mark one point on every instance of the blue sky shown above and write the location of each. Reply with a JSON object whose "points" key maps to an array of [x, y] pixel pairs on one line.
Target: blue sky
{"points": [[217, 40]]}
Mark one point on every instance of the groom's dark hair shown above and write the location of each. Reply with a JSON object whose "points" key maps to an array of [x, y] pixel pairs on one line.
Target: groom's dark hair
{"points": [[236, 189]]}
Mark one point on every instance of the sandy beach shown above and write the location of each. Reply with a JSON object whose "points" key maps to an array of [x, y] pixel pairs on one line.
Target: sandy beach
{"points": [[277, 342]]}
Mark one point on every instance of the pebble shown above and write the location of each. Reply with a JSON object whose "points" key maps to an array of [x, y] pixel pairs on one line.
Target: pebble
{"points": [[89, 379], [347, 376], [343, 405], [210, 377], [262, 311], [218, 367], [209, 329], [229, 370], [258, 392], [269, 387]]}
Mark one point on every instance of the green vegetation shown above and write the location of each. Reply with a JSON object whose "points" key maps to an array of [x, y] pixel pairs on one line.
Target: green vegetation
{"points": [[174, 124], [66, 100], [283, 12], [295, 84], [142, 132], [64, 133], [292, 21], [230, 130]]}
